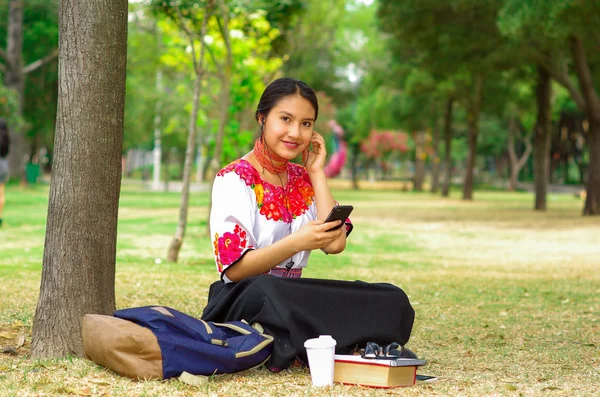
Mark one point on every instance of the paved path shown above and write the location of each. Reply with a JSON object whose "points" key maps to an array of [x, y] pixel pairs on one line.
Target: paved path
{"points": [[566, 189]]}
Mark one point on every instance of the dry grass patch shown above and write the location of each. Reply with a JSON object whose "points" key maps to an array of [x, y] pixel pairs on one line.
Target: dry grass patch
{"points": [[506, 299]]}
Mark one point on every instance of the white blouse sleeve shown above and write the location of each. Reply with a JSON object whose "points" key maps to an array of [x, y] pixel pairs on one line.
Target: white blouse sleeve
{"points": [[232, 219]]}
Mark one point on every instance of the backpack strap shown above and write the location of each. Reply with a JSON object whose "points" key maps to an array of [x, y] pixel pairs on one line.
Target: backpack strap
{"points": [[268, 338]]}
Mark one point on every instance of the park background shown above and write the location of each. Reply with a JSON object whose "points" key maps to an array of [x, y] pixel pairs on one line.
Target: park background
{"points": [[466, 134]]}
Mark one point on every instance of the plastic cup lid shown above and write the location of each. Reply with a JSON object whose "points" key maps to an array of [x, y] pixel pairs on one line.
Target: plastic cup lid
{"points": [[321, 342]]}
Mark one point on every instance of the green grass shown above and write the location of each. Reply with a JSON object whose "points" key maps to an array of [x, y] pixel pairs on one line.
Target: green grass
{"points": [[507, 299]]}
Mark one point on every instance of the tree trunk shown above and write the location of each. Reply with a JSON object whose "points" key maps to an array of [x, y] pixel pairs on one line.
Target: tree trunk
{"points": [[419, 177], [78, 274], [447, 147], [167, 159], [592, 110], [354, 150], [177, 241], [473, 122], [435, 166], [516, 163], [157, 151], [200, 156], [14, 80], [512, 155], [543, 133]]}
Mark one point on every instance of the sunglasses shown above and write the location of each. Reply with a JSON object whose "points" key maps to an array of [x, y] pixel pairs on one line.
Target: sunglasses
{"points": [[392, 351]]}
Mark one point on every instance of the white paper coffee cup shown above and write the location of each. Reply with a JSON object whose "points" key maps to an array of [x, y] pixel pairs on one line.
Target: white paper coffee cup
{"points": [[321, 352]]}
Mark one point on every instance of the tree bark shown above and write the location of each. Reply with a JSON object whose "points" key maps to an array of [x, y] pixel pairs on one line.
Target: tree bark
{"points": [[447, 147], [354, 151], [473, 123], [516, 163], [592, 110], [200, 156], [157, 151], [419, 176], [14, 80], [177, 241], [435, 166], [78, 274], [543, 134]]}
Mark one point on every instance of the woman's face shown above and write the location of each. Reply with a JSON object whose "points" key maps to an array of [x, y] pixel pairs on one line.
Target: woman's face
{"points": [[289, 126]]}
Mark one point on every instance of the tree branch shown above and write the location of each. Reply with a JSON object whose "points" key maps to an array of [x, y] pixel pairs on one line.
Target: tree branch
{"points": [[181, 22], [224, 28], [218, 65], [40, 62], [3, 55], [512, 153], [584, 76], [560, 73], [525, 156]]}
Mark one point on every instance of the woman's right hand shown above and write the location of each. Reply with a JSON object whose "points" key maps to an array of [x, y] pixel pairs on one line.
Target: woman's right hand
{"points": [[314, 235]]}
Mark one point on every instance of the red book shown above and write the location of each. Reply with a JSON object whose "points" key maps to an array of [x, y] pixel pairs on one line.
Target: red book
{"points": [[355, 370]]}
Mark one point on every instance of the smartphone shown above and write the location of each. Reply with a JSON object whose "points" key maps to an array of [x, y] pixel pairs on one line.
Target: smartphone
{"points": [[339, 212], [426, 378]]}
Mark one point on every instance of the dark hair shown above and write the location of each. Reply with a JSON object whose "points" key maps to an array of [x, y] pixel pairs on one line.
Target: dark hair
{"points": [[282, 88], [4, 139]]}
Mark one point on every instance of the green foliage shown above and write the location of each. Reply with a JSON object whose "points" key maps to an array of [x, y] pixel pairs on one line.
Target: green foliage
{"points": [[280, 15], [251, 38], [143, 52], [494, 137], [313, 52], [545, 26], [40, 38], [518, 17], [9, 104]]}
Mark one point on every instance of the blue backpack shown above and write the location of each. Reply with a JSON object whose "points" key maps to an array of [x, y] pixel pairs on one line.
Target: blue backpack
{"points": [[184, 343]]}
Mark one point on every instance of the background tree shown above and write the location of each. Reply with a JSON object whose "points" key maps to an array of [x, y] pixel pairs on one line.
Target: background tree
{"points": [[193, 23], [453, 39], [564, 40], [78, 275], [15, 69]]}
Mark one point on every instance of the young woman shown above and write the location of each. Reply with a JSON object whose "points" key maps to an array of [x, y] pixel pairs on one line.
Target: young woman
{"points": [[267, 216], [4, 146]]}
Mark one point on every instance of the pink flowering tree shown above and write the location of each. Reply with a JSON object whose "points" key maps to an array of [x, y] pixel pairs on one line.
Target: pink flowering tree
{"points": [[383, 147]]}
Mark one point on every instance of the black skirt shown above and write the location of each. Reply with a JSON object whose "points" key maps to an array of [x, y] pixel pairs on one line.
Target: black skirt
{"points": [[294, 310]]}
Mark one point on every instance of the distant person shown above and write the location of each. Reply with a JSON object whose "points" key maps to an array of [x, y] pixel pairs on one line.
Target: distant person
{"points": [[268, 214], [4, 145]]}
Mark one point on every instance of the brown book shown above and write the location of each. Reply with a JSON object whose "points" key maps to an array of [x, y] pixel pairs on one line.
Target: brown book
{"points": [[355, 370]]}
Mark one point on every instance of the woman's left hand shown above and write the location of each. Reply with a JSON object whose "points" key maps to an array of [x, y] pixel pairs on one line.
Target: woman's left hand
{"points": [[316, 158]]}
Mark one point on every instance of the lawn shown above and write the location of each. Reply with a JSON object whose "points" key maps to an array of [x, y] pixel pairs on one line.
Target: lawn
{"points": [[507, 300]]}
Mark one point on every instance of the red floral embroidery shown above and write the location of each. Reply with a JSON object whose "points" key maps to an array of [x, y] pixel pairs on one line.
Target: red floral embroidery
{"points": [[244, 169], [270, 198], [229, 247]]}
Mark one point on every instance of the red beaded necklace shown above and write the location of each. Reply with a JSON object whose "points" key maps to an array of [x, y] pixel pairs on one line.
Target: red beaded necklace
{"points": [[267, 158]]}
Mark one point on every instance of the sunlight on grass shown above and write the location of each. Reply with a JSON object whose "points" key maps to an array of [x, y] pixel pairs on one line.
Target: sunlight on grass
{"points": [[507, 299]]}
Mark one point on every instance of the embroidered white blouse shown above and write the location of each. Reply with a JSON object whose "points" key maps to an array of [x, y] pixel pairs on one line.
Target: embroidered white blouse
{"points": [[249, 213]]}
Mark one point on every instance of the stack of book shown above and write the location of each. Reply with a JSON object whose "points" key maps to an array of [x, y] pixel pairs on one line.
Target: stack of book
{"points": [[355, 370]]}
